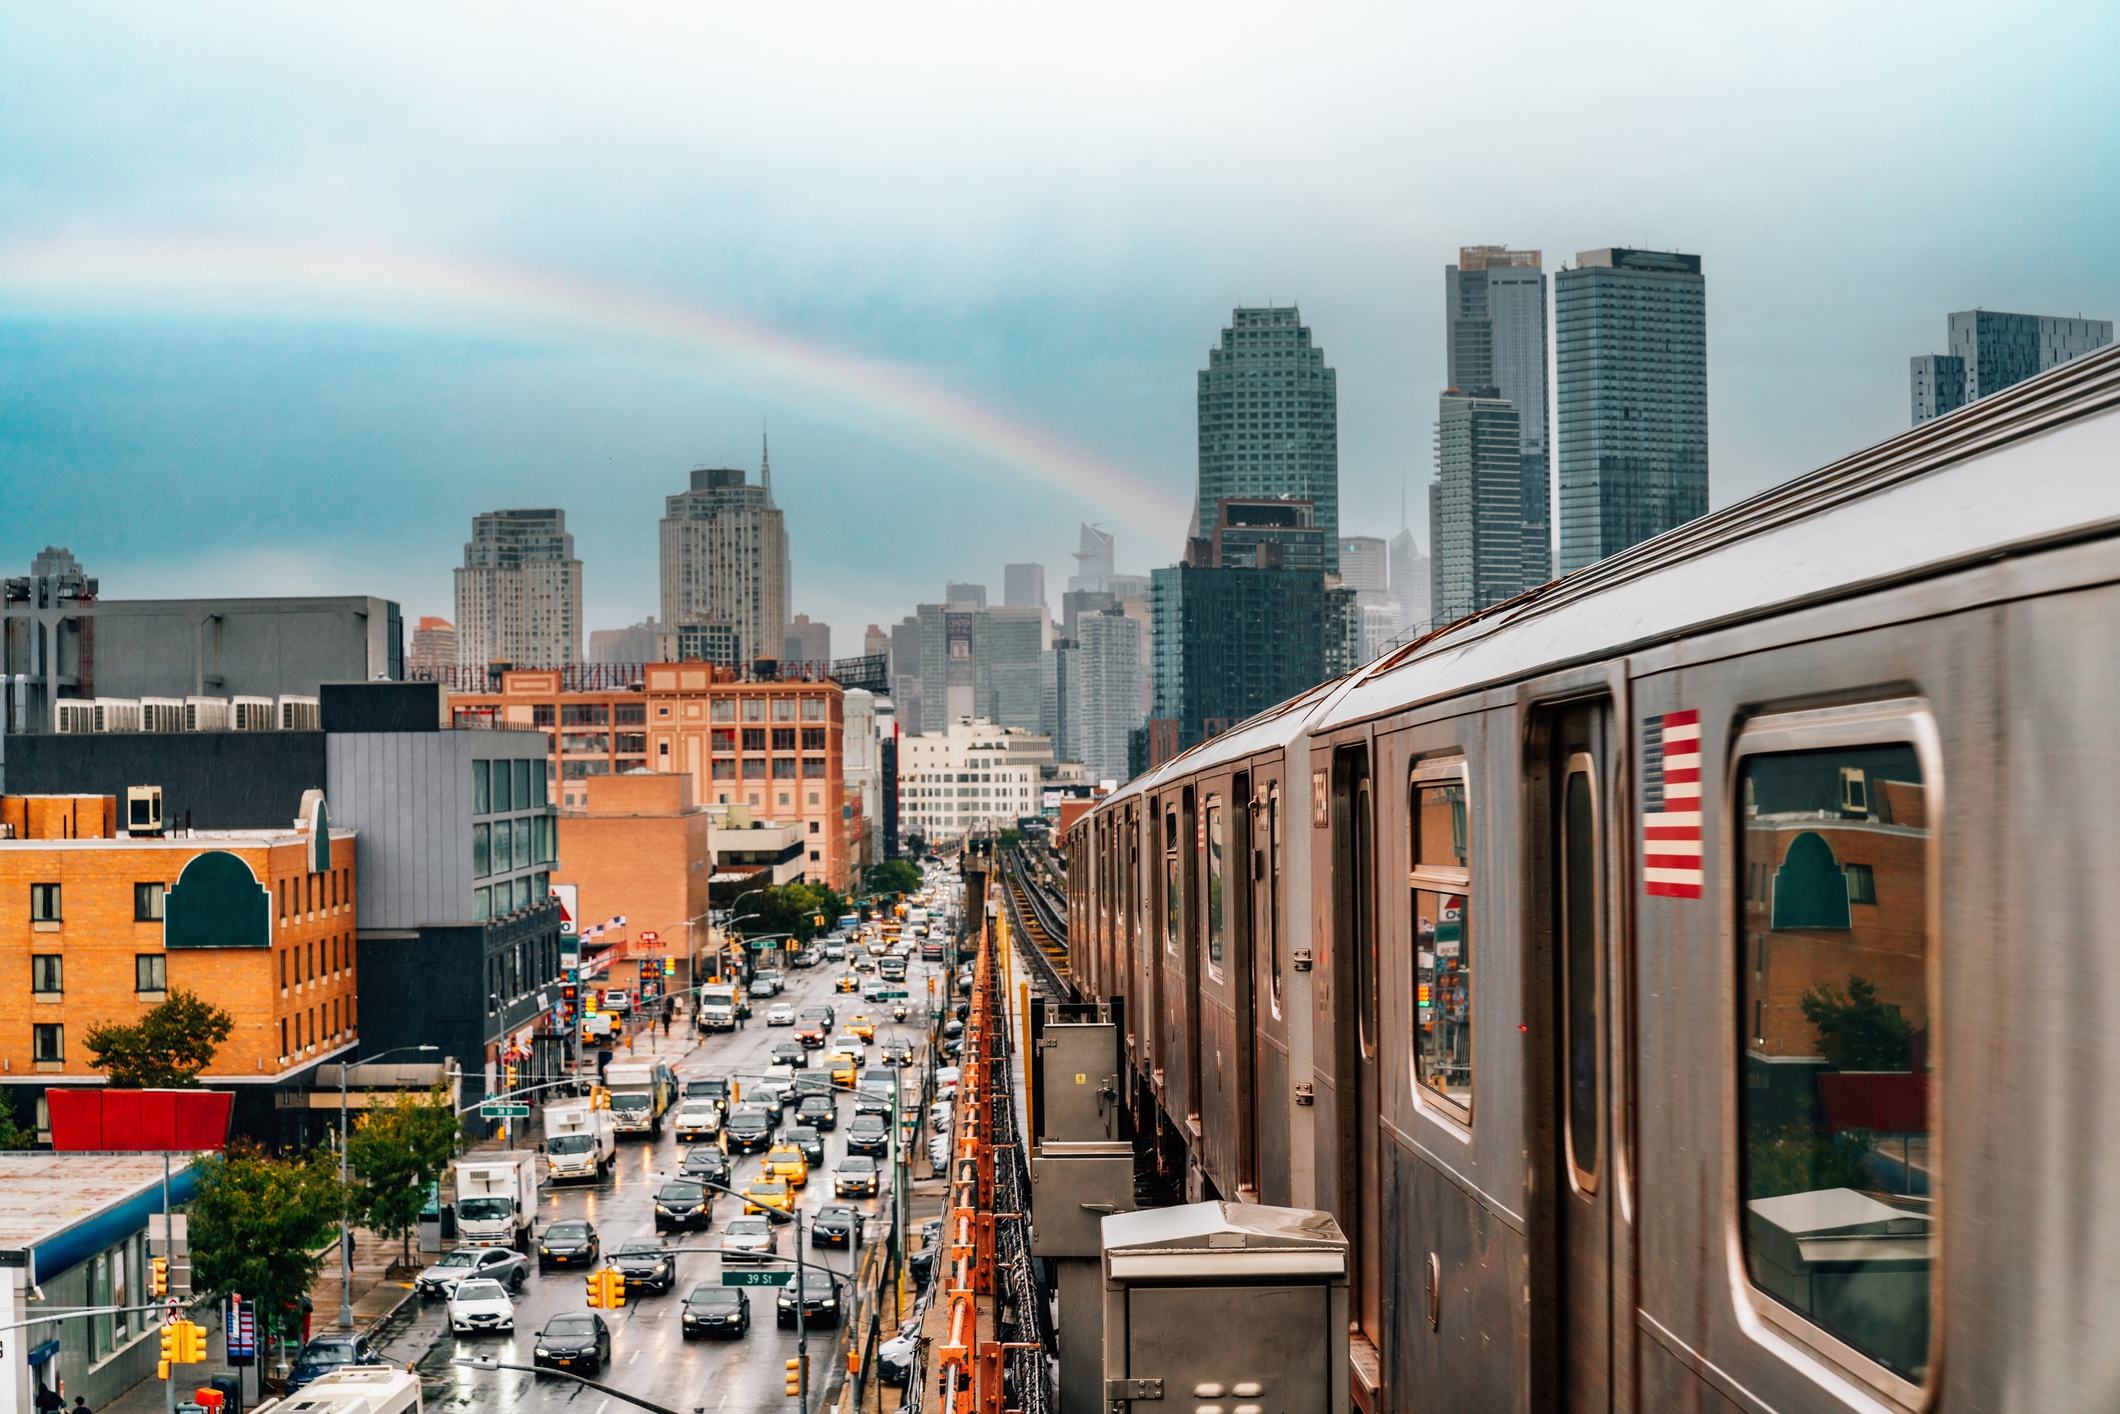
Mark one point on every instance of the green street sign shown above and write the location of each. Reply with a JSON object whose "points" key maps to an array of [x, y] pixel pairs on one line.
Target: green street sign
{"points": [[890, 996], [494, 1109], [759, 1278]]}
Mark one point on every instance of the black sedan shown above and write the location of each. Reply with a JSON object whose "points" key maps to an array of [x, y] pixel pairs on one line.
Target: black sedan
{"points": [[793, 1054], [806, 1138], [706, 1163], [869, 1134], [820, 1301], [647, 1264], [817, 1111], [684, 1207], [717, 1310], [749, 1131], [578, 1340], [835, 1226], [571, 1243]]}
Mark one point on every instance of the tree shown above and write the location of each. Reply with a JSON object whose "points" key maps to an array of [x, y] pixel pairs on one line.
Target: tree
{"points": [[261, 1225], [788, 908], [894, 876], [168, 1047], [400, 1150], [1860, 1032], [12, 1133]]}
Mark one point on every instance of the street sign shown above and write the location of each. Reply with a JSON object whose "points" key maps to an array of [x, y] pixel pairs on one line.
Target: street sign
{"points": [[650, 936], [897, 996], [494, 1109], [758, 1278]]}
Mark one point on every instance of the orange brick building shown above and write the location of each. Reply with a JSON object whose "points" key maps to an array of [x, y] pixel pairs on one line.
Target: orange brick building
{"points": [[640, 847], [86, 936], [777, 748]]}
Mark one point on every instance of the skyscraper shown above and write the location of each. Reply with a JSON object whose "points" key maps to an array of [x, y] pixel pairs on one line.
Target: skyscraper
{"points": [[806, 642], [433, 646], [1410, 588], [971, 594], [1269, 419], [1108, 693], [1991, 350], [1483, 535], [1094, 561], [1364, 569], [1494, 336], [905, 672], [1230, 643], [725, 560], [1631, 349], [1015, 636], [519, 592], [1022, 585]]}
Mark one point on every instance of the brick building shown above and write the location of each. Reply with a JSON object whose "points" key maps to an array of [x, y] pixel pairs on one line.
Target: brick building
{"points": [[640, 847], [96, 927], [774, 747]]}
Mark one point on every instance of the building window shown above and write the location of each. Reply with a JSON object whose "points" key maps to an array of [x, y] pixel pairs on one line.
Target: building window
{"points": [[1862, 883], [481, 851], [815, 856], [49, 1042], [724, 739], [283, 969], [585, 714], [813, 738], [783, 709], [724, 770], [481, 789], [754, 738], [521, 771], [754, 768], [813, 709], [813, 768], [541, 715], [47, 973], [44, 903], [150, 972], [724, 710], [481, 905], [815, 827], [147, 902], [783, 768], [754, 709], [630, 714], [633, 742], [783, 738], [523, 853]]}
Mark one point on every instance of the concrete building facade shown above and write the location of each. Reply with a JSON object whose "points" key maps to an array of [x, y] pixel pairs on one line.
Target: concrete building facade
{"points": [[725, 561], [1494, 336], [974, 775], [639, 847], [1107, 701], [519, 592], [1268, 409], [1024, 586], [806, 642]]}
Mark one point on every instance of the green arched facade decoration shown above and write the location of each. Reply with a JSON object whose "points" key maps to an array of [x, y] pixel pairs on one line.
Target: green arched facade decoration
{"points": [[1810, 891], [217, 903], [319, 838]]}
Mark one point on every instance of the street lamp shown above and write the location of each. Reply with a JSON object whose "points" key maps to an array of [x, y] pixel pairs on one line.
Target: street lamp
{"points": [[345, 1247]]}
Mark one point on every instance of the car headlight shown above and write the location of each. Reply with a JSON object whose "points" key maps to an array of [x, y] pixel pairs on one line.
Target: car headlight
{"points": [[662, 1266], [661, 1209], [542, 1351], [544, 1251]]}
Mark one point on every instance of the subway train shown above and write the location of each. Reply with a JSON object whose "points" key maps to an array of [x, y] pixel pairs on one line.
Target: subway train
{"points": [[1691, 985]]}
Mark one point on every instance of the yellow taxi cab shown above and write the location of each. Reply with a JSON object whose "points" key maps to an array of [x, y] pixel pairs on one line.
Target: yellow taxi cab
{"points": [[848, 982], [862, 1026], [761, 1194], [785, 1161], [845, 1068]]}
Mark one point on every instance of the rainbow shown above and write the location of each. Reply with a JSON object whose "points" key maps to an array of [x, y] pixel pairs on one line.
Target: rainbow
{"points": [[408, 293]]}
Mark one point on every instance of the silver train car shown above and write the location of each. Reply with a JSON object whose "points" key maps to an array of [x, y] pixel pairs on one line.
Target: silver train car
{"points": [[1691, 985]]}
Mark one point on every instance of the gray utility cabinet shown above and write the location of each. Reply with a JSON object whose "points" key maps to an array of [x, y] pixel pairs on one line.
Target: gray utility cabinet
{"points": [[1225, 1308], [1074, 1187], [1075, 1072]]}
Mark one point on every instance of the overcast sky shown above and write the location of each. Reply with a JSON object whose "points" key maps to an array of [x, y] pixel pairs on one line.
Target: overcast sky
{"points": [[288, 293]]}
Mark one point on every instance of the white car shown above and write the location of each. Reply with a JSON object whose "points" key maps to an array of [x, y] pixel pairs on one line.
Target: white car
{"points": [[835, 952], [480, 1305], [748, 1240], [780, 1014], [939, 1114], [699, 1119]]}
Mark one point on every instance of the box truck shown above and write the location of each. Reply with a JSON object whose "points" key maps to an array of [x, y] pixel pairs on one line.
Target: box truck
{"points": [[580, 1142], [496, 1199]]}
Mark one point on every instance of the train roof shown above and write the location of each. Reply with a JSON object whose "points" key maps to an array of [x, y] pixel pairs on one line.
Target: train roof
{"points": [[2030, 466]]}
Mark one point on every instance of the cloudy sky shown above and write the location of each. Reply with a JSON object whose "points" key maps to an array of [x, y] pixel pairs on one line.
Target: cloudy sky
{"points": [[287, 293]]}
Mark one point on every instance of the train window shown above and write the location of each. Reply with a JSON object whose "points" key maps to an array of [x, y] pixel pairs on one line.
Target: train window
{"points": [[1836, 1102], [1581, 967], [1441, 883], [1273, 874], [1173, 893], [1215, 914]]}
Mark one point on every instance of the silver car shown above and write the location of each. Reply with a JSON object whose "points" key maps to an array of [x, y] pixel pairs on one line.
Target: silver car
{"points": [[499, 1263], [748, 1240]]}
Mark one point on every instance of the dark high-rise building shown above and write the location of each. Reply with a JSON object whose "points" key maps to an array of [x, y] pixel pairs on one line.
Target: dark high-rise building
{"points": [[1494, 337], [1631, 353], [1267, 533], [1230, 643], [1269, 420], [1991, 350], [1489, 544]]}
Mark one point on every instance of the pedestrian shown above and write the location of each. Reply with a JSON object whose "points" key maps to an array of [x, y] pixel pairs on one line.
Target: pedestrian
{"points": [[666, 1020], [49, 1399], [80, 1405]]}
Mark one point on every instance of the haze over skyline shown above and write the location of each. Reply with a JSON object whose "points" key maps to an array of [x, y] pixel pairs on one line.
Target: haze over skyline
{"points": [[287, 297]]}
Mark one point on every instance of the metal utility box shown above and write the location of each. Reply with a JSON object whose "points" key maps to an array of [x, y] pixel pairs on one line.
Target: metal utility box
{"points": [[1074, 1073], [1074, 1187], [1225, 1308]]}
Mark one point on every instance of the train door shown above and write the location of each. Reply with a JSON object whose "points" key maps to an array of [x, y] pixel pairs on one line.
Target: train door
{"points": [[1244, 1020], [1588, 1218], [1356, 1040]]}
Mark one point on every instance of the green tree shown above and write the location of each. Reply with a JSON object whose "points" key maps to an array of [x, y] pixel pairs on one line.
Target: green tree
{"points": [[261, 1225], [12, 1134], [894, 876], [1858, 1032], [166, 1048], [399, 1150], [788, 908]]}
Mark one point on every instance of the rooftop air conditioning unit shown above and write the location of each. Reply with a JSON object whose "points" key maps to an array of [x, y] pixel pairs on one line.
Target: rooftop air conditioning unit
{"points": [[117, 714], [206, 714], [74, 716], [161, 714], [143, 810], [299, 714], [253, 714]]}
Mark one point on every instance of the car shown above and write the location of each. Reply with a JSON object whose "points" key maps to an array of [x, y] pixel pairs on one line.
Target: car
{"points": [[749, 1239], [772, 1093], [750, 1130], [921, 1265], [792, 1054], [699, 1119], [946, 1078], [808, 957], [577, 1340], [787, 1161], [570, 1242], [325, 1353], [707, 1163], [941, 1113], [806, 1138], [835, 952], [931, 951], [480, 1304], [719, 1091], [763, 1193], [856, 1177], [848, 982], [869, 1134], [953, 1049], [820, 1301], [772, 981], [851, 1043], [818, 1111], [502, 1264], [780, 1014], [683, 1206], [864, 963], [835, 1226], [898, 1051], [760, 987], [939, 1150], [952, 1029], [843, 1066], [651, 1265], [873, 1099], [717, 1310], [894, 1357]]}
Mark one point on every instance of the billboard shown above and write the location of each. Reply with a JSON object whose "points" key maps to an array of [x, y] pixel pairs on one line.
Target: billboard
{"points": [[568, 910]]}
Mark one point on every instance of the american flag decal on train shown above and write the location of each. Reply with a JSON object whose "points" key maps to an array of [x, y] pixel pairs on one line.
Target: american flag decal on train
{"points": [[1670, 788]]}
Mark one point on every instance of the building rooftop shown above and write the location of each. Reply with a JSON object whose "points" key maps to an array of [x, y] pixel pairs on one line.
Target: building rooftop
{"points": [[45, 1194], [180, 839]]}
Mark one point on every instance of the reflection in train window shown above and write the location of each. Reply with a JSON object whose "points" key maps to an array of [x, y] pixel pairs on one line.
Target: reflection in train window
{"points": [[1173, 903], [1839, 1174], [1442, 924], [1215, 849]]}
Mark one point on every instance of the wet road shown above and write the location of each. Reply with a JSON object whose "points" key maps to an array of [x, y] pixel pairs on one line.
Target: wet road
{"points": [[650, 1357]]}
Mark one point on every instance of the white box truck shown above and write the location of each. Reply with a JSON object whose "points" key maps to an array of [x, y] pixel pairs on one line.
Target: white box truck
{"points": [[496, 1199], [580, 1142], [717, 1007], [640, 1092]]}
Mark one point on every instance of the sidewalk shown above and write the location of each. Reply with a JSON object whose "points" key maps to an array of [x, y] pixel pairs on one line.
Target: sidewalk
{"points": [[375, 1296]]}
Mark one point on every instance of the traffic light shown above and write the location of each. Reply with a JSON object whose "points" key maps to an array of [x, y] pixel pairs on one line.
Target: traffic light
{"points": [[191, 1343], [161, 1276], [169, 1352], [607, 1288], [795, 1374], [669, 967]]}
